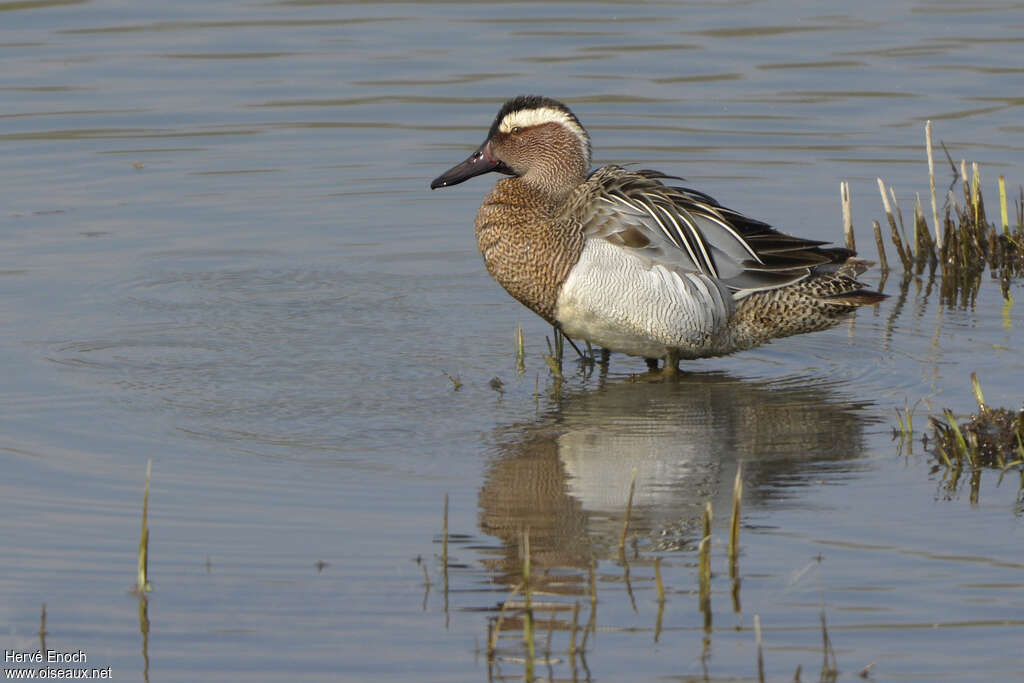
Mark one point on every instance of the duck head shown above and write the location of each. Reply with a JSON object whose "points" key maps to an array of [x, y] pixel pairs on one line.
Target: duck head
{"points": [[534, 138]]}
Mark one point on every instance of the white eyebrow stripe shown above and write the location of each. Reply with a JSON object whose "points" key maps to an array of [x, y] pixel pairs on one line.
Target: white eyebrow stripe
{"points": [[524, 118]]}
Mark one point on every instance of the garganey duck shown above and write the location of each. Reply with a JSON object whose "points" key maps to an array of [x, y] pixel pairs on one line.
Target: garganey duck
{"points": [[629, 263]]}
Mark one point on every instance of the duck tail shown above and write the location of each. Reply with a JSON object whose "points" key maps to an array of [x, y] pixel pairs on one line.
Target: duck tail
{"points": [[814, 304], [857, 297]]}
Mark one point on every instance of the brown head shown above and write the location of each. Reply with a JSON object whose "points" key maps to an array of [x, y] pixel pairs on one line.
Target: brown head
{"points": [[535, 138]]}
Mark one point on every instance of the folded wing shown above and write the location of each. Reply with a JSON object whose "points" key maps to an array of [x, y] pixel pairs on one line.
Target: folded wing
{"points": [[686, 230]]}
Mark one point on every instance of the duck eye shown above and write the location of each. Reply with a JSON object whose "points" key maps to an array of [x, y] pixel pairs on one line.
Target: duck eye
{"points": [[516, 130]]}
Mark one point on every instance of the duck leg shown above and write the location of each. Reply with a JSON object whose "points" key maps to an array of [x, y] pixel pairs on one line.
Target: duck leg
{"points": [[671, 368], [579, 353]]}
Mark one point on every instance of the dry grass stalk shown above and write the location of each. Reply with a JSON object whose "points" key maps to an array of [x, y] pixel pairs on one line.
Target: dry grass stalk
{"points": [[918, 217], [657, 580], [42, 629], [976, 206], [896, 240], [661, 598], [629, 511], [965, 181], [575, 627], [734, 523], [978, 396], [658, 620], [923, 246], [704, 565], [829, 667], [760, 653], [142, 584], [905, 421], [520, 344], [899, 219], [555, 353], [884, 262], [844, 193], [734, 539], [1002, 206], [492, 645], [931, 183]]}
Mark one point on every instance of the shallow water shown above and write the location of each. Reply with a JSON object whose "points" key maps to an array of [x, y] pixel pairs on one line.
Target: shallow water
{"points": [[219, 252]]}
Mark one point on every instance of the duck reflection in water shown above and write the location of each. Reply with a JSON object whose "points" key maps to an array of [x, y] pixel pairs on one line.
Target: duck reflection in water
{"points": [[566, 477]]}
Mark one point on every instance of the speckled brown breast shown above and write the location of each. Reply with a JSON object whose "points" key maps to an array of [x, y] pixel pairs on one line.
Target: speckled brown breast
{"points": [[529, 244]]}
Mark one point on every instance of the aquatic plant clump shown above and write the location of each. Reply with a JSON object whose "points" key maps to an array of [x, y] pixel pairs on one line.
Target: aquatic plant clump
{"points": [[964, 244], [991, 437], [973, 245]]}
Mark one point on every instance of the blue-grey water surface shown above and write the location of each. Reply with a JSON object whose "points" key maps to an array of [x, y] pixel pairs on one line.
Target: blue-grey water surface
{"points": [[218, 251]]}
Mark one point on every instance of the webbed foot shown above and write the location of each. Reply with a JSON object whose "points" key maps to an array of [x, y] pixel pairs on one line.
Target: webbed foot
{"points": [[669, 371]]}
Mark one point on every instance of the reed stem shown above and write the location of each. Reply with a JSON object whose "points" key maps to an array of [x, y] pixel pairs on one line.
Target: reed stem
{"points": [[844, 193], [896, 240], [881, 247], [520, 345], [704, 564], [1003, 213], [931, 182], [760, 655], [142, 582], [492, 644], [734, 523], [976, 386]]}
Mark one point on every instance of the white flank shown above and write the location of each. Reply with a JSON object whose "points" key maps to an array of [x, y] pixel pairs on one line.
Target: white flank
{"points": [[615, 299]]}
